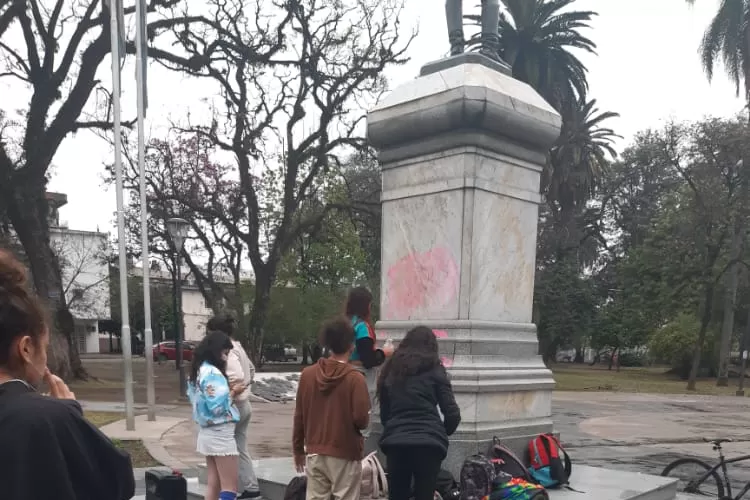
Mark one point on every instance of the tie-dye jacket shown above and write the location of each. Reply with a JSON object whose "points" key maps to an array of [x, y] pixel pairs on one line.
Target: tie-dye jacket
{"points": [[210, 398]]}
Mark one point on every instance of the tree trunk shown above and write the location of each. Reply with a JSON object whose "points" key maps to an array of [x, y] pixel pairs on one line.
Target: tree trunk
{"points": [[28, 211], [305, 352], [708, 301], [612, 358], [259, 314], [579, 354], [730, 296]]}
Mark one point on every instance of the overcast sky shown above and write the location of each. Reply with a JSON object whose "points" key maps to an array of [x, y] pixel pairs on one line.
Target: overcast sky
{"points": [[647, 69]]}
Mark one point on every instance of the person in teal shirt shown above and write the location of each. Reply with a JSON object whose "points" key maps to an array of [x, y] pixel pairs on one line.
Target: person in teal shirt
{"points": [[358, 308], [366, 357]]}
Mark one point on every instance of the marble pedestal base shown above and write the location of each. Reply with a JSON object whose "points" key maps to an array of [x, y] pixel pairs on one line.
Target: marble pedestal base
{"points": [[592, 483]]}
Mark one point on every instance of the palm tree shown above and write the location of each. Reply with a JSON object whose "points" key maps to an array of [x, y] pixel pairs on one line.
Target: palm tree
{"points": [[727, 39], [577, 161], [535, 40]]}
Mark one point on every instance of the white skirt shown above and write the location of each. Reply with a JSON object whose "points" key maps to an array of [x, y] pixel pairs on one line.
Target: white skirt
{"points": [[217, 440]]}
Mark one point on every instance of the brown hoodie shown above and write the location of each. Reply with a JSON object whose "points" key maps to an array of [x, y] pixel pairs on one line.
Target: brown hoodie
{"points": [[333, 406]]}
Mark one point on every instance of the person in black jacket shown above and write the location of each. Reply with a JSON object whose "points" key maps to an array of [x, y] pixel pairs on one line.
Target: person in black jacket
{"points": [[411, 387], [48, 450]]}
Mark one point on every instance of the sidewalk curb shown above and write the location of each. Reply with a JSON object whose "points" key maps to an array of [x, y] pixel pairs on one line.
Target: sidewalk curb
{"points": [[158, 451], [161, 455]]}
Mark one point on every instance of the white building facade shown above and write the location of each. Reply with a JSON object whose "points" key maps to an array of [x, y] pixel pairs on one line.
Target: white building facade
{"points": [[85, 274]]}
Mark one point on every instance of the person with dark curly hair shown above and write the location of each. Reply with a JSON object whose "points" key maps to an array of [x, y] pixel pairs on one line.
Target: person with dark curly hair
{"points": [[332, 408], [47, 447], [412, 385]]}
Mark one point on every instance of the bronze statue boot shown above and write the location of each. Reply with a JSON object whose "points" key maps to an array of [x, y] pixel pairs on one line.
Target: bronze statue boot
{"points": [[491, 46], [457, 42]]}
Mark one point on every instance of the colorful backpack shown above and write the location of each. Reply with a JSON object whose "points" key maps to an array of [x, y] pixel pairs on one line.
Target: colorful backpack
{"points": [[477, 475], [550, 464], [374, 480], [516, 489], [505, 461]]}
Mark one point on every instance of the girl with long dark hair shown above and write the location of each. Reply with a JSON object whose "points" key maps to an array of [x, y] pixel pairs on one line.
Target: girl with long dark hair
{"points": [[412, 385], [215, 413]]}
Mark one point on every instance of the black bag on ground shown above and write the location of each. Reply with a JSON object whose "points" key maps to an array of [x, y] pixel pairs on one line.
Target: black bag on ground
{"points": [[165, 485], [447, 486], [477, 474], [504, 460], [296, 489]]}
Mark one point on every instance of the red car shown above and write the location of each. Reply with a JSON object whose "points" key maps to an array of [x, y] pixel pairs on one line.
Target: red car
{"points": [[167, 351]]}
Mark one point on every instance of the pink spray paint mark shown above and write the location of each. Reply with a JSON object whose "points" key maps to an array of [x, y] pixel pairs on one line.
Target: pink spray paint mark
{"points": [[447, 362], [420, 280], [441, 334]]}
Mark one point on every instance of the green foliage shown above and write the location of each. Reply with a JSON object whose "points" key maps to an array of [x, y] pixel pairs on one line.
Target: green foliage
{"points": [[565, 301], [538, 39], [162, 311], [295, 314], [674, 343]]}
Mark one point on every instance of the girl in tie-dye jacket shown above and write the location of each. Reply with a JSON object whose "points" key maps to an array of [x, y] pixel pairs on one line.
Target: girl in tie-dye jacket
{"points": [[215, 414], [212, 404]]}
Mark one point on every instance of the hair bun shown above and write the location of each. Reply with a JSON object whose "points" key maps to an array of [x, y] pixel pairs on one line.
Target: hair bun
{"points": [[12, 272]]}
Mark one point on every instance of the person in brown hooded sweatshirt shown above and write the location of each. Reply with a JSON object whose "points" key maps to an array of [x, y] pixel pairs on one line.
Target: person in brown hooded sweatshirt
{"points": [[332, 409]]}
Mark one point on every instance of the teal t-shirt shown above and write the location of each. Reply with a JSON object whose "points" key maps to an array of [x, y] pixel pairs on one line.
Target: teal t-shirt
{"points": [[360, 332]]}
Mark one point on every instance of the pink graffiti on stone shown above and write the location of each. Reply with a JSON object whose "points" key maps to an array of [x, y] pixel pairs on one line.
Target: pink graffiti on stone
{"points": [[441, 334], [421, 280], [447, 362]]}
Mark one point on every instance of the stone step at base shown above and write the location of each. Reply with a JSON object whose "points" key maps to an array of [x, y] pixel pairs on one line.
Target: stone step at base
{"points": [[593, 483]]}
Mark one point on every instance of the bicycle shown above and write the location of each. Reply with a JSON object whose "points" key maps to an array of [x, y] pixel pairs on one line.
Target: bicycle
{"points": [[708, 482]]}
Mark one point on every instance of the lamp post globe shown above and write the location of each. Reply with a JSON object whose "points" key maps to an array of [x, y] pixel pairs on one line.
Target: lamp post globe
{"points": [[178, 231]]}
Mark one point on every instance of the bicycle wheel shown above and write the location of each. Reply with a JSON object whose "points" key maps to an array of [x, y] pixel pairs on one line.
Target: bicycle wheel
{"points": [[691, 473]]}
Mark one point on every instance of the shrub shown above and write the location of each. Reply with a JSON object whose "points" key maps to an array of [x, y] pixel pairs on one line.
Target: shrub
{"points": [[674, 342]]}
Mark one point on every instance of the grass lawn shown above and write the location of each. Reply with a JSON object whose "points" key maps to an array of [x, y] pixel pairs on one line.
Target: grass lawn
{"points": [[570, 377], [138, 453]]}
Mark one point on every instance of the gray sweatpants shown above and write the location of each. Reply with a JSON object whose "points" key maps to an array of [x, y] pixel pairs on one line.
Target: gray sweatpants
{"points": [[247, 480]]}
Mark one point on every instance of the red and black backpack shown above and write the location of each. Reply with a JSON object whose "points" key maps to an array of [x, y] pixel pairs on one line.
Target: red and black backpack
{"points": [[550, 464]]}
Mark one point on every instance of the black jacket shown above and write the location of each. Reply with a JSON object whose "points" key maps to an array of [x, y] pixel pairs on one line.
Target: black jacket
{"points": [[48, 450], [409, 412]]}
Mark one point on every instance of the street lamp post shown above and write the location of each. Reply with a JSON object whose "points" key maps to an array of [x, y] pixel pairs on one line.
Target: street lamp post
{"points": [[178, 230]]}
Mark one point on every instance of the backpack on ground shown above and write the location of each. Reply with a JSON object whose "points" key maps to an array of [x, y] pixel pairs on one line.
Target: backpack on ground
{"points": [[296, 489], [374, 480], [516, 489], [550, 464], [477, 475], [506, 462], [447, 486]]}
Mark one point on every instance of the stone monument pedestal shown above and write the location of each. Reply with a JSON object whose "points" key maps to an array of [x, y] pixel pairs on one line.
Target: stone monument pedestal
{"points": [[461, 150]]}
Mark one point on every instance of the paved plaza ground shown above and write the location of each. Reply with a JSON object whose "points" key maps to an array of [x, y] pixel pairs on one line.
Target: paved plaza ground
{"points": [[630, 431], [636, 432]]}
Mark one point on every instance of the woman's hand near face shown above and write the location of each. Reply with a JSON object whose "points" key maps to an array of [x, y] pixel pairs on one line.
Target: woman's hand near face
{"points": [[57, 388]]}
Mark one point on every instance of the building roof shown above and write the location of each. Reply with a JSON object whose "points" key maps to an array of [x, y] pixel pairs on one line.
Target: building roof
{"points": [[56, 200]]}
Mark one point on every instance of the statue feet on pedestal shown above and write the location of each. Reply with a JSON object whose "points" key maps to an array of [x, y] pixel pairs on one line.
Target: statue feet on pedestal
{"points": [[456, 39]]}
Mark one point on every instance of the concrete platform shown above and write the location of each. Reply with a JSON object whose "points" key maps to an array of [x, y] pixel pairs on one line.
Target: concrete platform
{"points": [[592, 483]]}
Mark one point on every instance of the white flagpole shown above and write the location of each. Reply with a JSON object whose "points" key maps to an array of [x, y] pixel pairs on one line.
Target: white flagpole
{"points": [[127, 355], [148, 333]]}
